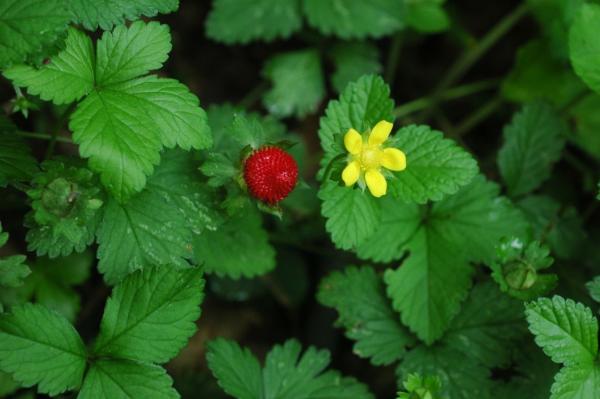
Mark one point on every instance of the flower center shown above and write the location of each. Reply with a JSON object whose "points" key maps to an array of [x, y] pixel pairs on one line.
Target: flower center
{"points": [[370, 157]]}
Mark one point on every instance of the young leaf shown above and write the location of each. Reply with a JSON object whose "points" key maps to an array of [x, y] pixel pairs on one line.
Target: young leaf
{"points": [[235, 21], [584, 49], [26, 26], [37, 346], [420, 387], [352, 60], [351, 19], [125, 379], [68, 77], [533, 142], [286, 374], [565, 330], [12, 268], [151, 315], [298, 84], [358, 295], [238, 247], [106, 13], [16, 162]]}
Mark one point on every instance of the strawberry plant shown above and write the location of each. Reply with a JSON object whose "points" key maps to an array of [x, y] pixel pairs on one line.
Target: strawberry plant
{"points": [[299, 199]]}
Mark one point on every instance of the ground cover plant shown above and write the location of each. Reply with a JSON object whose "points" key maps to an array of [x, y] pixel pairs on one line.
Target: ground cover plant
{"points": [[299, 199]]}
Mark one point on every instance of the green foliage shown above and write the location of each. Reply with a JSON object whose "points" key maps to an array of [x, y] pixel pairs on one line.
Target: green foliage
{"points": [[593, 288], [532, 144], [583, 50], [12, 268], [16, 162], [418, 387], [427, 16], [568, 333], [352, 60], [106, 13], [287, 374]]}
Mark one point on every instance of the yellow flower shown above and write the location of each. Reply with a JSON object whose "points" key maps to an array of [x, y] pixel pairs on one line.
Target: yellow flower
{"points": [[368, 157]]}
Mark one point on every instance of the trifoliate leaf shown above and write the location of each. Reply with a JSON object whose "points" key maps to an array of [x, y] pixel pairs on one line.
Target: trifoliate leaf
{"points": [[577, 382], [533, 142], [298, 83], [352, 214], [351, 19], [352, 60], [16, 162], [287, 374], [461, 378], [537, 75], [358, 295], [427, 16], [566, 331], [68, 77], [235, 21], [238, 247], [66, 209], [584, 49], [436, 167], [426, 289], [12, 268], [151, 315], [38, 346], [106, 13], [125, 379], [27, 26], [487, 326], [593, 288], [418, 387], [516, 268]]}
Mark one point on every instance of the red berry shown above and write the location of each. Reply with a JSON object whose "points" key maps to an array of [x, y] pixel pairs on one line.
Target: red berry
{"points": [[270, 174]]}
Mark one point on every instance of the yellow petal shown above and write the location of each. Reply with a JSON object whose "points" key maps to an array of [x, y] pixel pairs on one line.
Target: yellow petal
{"points": [[393, 159], [351, 173], [380, 132], [376, 182], [353, 141]]}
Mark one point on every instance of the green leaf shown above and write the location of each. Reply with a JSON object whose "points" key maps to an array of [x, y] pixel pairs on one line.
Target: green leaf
{"points": [[435, 167], [298, 83], [427, 16], [12, 268], [352, 60], [16, 162], [350, 19], [566, 331], [586, 124], [577, 382], [126, 379], [106, 13], [242, 21], [461, 378], [40, 23], [68, 77], [238, 247], [593, 288], [286, 374], [7, 384], [37, 346], [533, 142], [352, 214], [358, 295], [151, 315], [487, 326], [584, 49], [422, 387], [427, 289]]}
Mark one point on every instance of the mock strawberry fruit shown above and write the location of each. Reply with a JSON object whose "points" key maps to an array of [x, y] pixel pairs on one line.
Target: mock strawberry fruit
{"points": [[270, 174]]}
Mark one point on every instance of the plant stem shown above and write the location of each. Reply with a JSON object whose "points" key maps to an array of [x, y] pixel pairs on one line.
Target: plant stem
{"points": [[59, 124], [478, 116], [43, 136], [393, 58], [447, 95]]}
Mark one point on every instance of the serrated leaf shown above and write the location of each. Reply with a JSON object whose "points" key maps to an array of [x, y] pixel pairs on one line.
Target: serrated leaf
{"points": [[16, 162], [593, 288], [566, 331], [126, 379], [435, 166], [352, 60], [151, 315], [577, 382], [358, 295], [68, 77], [298, 83], [584, 49], [37, 346], [350, 19], [352, 214], [287, 374], [238, 247], [533, 142], [40, 23], [7, 384], [235, 21], [12, 268], [106, 13]]}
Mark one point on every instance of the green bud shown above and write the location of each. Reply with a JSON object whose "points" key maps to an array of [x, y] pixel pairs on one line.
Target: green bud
{"points": [[519, 275]]}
